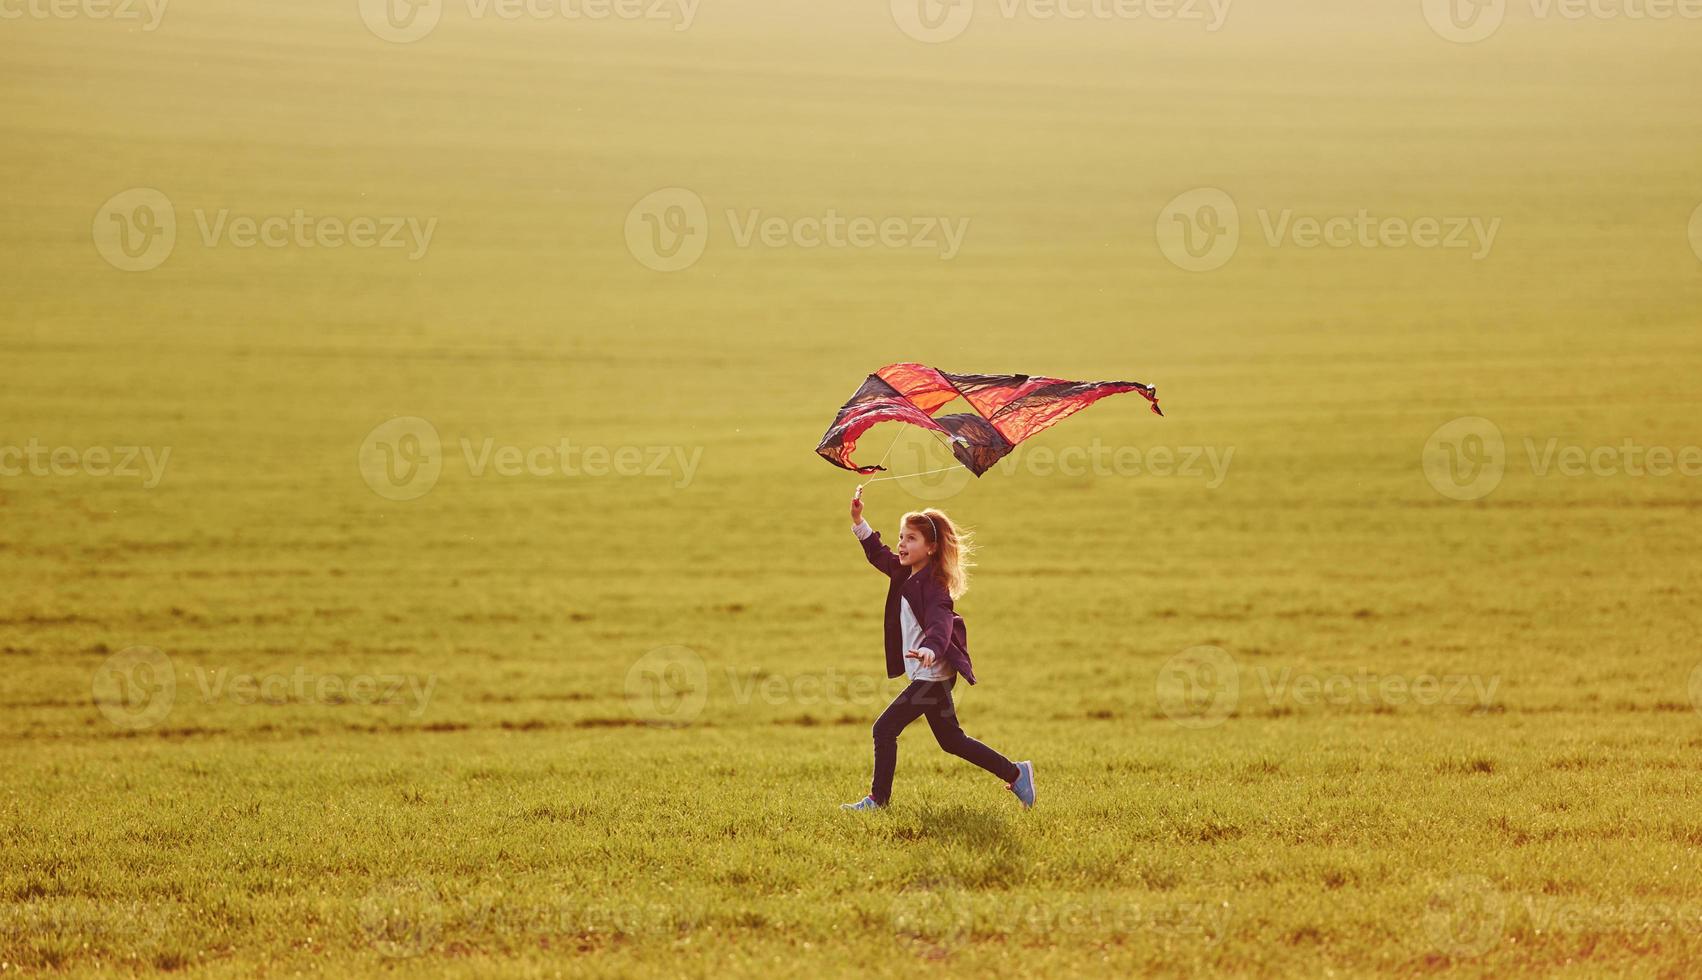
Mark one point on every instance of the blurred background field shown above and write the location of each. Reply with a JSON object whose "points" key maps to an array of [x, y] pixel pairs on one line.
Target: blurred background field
{"points": [[564, 722]]}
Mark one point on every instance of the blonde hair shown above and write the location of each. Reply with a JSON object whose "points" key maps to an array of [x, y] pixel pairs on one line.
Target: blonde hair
{"points": [[951, 562]]}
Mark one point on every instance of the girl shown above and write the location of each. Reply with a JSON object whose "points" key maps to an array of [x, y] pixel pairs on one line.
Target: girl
{"points": [[925, 576]]}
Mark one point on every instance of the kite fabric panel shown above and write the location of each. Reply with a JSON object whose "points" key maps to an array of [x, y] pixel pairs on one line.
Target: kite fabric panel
{"points": [[1011, 408]]}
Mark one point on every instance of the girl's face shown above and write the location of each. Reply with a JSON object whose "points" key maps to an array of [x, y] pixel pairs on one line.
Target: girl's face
{"points": [[913, 549]]}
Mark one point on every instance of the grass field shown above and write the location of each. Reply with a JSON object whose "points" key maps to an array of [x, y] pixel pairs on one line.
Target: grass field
{"points": [[319, 654]]}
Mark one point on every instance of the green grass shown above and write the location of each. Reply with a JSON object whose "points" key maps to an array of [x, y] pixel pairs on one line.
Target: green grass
{"points": [[625, 708]]}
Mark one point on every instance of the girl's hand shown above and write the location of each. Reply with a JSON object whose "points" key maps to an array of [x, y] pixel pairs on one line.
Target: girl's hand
{"points": [[926, 657], [857, 508]]}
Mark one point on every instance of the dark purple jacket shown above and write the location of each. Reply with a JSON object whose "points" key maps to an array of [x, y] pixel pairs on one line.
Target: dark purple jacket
{"points": [[942, 628]]}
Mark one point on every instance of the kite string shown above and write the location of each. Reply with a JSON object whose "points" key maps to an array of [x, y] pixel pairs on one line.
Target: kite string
{"points": [[903, 476], [879, 463], [890, 445], [889, 448]]}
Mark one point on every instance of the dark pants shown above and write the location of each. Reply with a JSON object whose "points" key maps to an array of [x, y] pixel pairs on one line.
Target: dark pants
{"points": [[931, 698]]}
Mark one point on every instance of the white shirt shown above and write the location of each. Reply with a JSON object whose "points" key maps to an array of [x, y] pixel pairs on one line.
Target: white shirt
{"points": [[911, 629]]}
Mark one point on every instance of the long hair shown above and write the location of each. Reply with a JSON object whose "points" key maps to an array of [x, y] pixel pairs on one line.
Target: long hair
{"points": [[953, 548]]}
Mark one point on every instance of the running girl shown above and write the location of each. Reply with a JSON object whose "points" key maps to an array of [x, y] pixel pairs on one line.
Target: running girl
{"points": [[927, 643]]}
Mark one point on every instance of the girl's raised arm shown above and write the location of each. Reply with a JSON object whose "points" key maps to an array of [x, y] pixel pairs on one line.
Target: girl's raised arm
{"points": [[879, 555]]}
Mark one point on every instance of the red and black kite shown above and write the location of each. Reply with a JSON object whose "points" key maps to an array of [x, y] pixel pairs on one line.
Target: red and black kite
{"points": [[1011, 408]]}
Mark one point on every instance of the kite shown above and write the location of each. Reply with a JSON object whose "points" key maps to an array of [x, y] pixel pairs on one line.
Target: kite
{"points": [[1008, 409]]}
